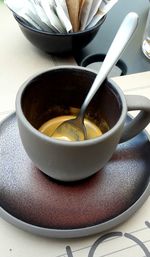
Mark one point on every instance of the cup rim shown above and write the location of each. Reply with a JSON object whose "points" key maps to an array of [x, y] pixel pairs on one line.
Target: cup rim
{"points": [[40, 135], [99, 23]]}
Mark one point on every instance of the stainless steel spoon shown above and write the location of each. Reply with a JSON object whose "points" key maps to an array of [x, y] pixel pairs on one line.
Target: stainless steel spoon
{"points": [[74, 129]]}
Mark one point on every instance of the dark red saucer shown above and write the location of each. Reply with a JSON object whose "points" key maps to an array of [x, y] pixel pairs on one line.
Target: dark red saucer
{"points": [[35, 202]]}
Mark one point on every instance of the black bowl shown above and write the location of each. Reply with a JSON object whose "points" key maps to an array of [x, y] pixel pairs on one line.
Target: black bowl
{"points": [[58, 43]]}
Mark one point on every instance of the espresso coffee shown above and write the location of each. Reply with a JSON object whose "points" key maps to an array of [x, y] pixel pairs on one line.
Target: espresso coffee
{"points": [[50, 126]]}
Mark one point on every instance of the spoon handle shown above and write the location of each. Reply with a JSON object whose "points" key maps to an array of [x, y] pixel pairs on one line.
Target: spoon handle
{"points": [[119, 43]]}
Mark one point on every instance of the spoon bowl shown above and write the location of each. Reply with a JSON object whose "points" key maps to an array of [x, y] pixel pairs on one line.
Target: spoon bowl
{"points": [[71, 130], [74, 129]]}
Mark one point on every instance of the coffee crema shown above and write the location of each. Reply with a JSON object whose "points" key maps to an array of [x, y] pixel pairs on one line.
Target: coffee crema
{"points": [[50, 126]]}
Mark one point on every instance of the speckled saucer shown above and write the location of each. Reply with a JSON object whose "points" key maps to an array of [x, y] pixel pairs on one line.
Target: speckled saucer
{"points": [[34, 202]]}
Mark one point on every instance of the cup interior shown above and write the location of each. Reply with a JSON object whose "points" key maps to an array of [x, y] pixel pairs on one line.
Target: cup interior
{"points": [[62, 90]]}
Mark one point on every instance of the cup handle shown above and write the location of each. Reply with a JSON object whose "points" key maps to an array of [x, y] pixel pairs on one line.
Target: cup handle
{"points": [[137, 124]]}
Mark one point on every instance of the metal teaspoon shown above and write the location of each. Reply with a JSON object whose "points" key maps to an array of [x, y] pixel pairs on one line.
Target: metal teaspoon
{"points": [[74, 129]]}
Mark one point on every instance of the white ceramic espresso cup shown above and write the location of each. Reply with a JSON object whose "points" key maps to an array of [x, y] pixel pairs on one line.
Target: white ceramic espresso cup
{"points": [[45, 95]]}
